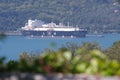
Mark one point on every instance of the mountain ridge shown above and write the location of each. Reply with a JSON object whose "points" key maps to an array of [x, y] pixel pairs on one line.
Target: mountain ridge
{"points": [[93, 14]]}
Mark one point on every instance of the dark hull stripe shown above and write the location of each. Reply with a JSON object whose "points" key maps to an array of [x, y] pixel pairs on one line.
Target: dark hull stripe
{"points": [[55, 33]]}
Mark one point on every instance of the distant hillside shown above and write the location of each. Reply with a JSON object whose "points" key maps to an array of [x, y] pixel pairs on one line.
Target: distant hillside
{"points": [[93, 14]]}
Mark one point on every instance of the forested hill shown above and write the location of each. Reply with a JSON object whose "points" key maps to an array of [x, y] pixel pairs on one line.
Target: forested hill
{"points": [[93, 14]]}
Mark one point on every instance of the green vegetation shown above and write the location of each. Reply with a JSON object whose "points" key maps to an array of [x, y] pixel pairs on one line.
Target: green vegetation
{"points": [[114, 51], [97, 15], [87, 59]]}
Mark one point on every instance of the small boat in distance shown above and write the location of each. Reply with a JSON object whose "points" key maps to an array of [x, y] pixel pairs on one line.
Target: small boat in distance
{"points": [[39, 28]]}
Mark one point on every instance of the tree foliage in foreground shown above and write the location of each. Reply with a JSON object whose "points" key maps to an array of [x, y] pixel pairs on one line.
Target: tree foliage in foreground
{"points": [[114, 51], [90, 62]]}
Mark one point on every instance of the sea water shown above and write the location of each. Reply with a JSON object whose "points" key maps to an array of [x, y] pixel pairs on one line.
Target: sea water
{"points": [[12, 46]]}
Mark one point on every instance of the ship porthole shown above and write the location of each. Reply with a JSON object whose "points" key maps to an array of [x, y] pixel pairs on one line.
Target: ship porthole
{"points": [[54, 33], [43, 33], [42, 36], [63, 36], [52, 36], [71, 36], [49, 33]]}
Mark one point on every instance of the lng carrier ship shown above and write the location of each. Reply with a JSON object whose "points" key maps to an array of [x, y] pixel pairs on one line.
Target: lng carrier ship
{"points": [[39, 28]]}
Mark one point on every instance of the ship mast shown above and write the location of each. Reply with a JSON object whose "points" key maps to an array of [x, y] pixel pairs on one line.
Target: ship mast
{"points": [[68, 24]]}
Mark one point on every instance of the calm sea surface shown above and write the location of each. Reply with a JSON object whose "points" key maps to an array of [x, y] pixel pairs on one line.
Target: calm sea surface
{"points": [[13, 46]]}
